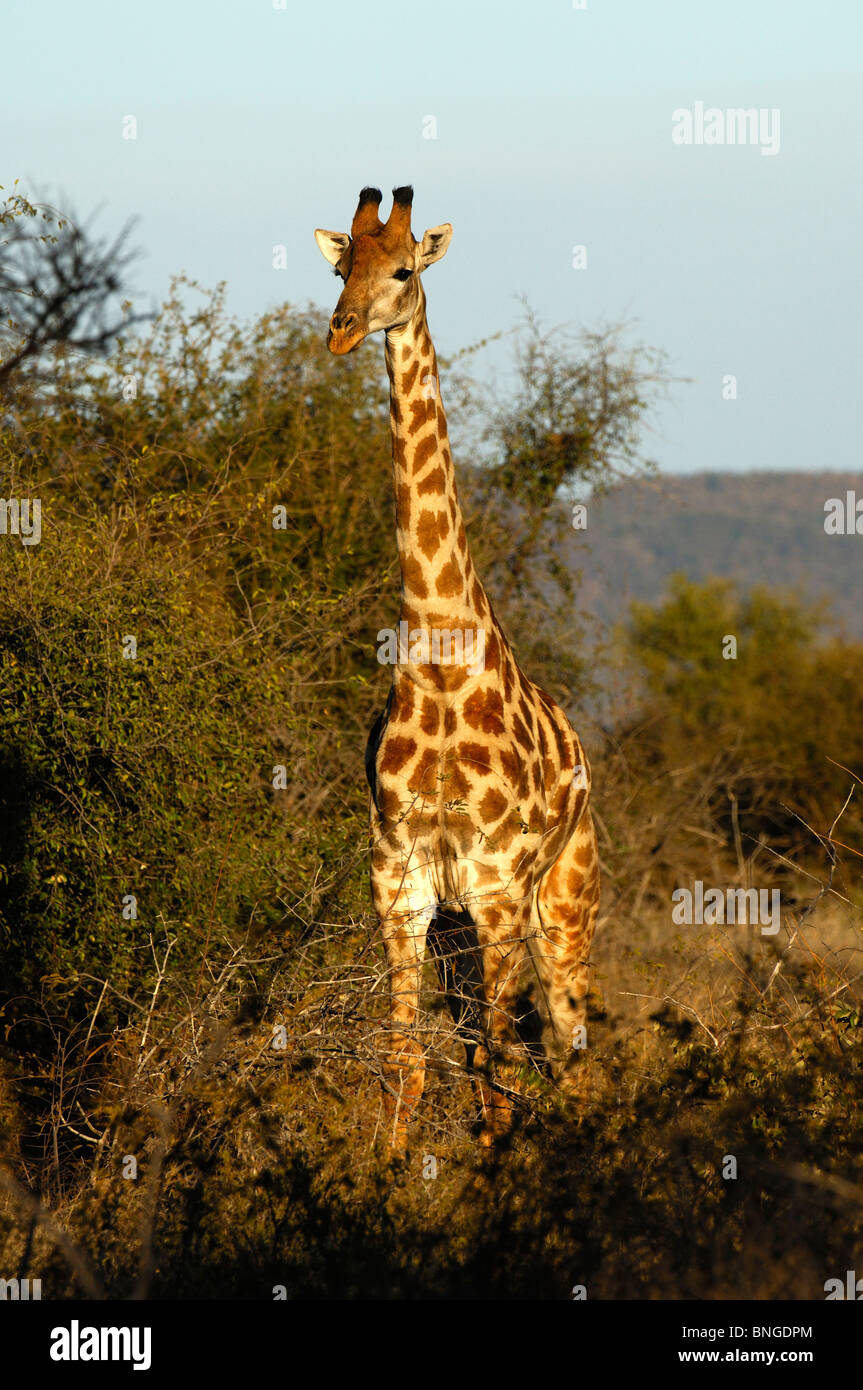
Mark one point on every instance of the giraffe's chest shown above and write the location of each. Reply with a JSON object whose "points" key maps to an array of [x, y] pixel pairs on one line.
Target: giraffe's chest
{"points": [[467, 777]]}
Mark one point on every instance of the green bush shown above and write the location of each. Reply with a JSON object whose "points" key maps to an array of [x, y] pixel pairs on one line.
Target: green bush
{"points": [[777, 729], [149, 777]]}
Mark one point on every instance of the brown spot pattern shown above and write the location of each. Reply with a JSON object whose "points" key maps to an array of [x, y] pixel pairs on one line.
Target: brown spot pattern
{"points": [[423, 452], [492, 806], [430, 716], [477, 755], [449, 581], [575, 882], [414, 578], [521, 734], [458, 786], [396, 751], [432, 482], [419, 415], [507, 679], [403, 705], [424, 776], [432, 527], [484, 710]]}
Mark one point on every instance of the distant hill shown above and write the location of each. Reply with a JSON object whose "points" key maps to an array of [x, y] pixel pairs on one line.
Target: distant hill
{"points": [[757, 528]]}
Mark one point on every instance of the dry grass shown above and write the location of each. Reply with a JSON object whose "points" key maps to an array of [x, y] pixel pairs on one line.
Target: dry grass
{"points": [[261, 1165]]}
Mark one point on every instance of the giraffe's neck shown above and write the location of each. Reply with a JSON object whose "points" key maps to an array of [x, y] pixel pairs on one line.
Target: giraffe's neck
{"points": [[440, 588]]}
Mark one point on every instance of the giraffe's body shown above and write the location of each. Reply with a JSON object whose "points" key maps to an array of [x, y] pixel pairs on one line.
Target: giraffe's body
{"points": [[481, 829]]}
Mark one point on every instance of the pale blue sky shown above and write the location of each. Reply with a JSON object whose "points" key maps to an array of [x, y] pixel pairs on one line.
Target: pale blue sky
{"points": [[257, 124]]}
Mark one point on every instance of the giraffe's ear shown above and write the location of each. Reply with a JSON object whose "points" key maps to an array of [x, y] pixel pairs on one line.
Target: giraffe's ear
{"points": [[332, 244], [435, 243]]}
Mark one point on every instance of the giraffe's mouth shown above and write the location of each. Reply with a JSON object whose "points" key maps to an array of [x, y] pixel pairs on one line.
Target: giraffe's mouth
{"points": [[340, 342]]}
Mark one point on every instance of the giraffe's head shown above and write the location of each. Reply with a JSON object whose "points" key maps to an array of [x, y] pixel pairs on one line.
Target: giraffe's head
{"points": [[380, 264]]}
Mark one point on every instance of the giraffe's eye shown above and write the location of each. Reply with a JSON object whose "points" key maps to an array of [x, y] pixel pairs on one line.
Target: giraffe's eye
{"points": [[403, 275]]}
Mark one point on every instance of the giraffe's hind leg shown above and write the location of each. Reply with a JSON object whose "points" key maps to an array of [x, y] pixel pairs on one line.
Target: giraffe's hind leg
{"points": [[502, 926], [567, 902], [480, 954], [454, 944]]}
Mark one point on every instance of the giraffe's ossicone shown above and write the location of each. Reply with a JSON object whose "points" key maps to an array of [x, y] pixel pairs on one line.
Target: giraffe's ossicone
{"points": [[483, 844]]}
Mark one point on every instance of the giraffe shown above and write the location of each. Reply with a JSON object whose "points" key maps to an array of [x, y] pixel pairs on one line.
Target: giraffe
{"points": [[483, 843]]}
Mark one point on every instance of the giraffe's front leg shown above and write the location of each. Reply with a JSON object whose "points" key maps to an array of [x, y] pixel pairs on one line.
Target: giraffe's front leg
{"points": [[405, 906]]}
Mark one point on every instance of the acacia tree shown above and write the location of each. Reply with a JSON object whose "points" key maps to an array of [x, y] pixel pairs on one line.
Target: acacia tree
{"points": [[59, 288], [569, 422], [573, 417]]}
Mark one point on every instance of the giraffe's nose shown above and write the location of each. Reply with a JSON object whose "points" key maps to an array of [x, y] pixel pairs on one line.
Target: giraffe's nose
{"points": [[343, 322]]}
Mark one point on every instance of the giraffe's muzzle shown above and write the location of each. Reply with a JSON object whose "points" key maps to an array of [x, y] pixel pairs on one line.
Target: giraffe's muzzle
{"points": [[345, 333]]}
